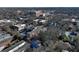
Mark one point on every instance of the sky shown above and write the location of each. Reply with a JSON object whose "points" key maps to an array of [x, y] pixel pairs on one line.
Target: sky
{"points": [[39, 3]]}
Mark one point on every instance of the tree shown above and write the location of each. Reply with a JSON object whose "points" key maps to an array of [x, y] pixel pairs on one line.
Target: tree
{"points": [[48, 38]]}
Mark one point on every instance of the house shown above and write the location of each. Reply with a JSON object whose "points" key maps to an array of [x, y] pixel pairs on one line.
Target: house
{"points": [[73, 20], [5, 21], [43, 21], [36, 21], [20, 26]]}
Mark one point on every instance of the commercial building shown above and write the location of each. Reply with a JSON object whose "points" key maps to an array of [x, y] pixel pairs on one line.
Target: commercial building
{"points": [[5, 39], [39, 13]]}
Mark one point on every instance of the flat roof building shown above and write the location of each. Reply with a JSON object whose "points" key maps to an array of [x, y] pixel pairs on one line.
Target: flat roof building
{"points": [[5, 39]]}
